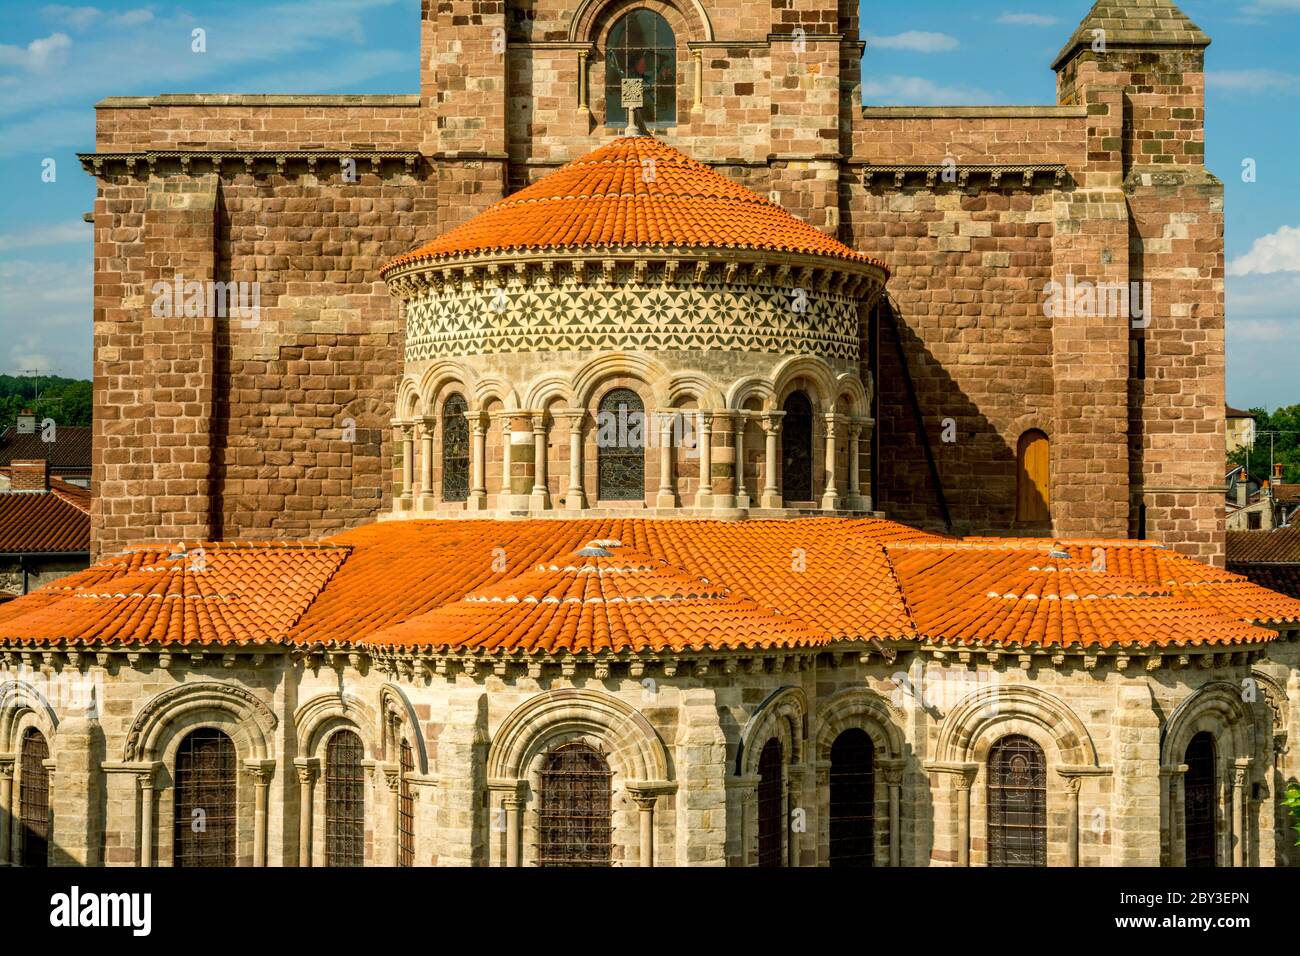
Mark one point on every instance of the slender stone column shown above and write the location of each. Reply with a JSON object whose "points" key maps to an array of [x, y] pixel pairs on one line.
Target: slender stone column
{"points": [[146, 818], [6, 805], [540, 500], [514, 806], [831, 496], [583, 106], [574, 500], [1177, 816], [704, 493], [426, 463], [893, 773], [771, 497], [307, 767], [408, 463], [260, 771], [1072, 787], [1240, 817], [855, 490], [742, 490], [477, 500], [645, 803], [393, 777], [697, 98], [667, 495]]}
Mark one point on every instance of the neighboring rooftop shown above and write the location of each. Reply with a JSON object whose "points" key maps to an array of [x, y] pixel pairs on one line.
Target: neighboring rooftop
{"points": [[49, 521], [633, 585], [69, 453]]}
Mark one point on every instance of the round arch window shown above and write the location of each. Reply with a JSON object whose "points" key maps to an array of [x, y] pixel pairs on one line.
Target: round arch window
{"points": [[642, 46]]}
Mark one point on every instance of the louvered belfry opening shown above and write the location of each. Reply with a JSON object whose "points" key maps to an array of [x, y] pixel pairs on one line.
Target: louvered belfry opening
{"points": [[345, 801], [1017, 797], [1199, 801], [574, 826], [34, 799], [853, 800], [620, 447], [796, 449], [406, 808], [771, 812], [204, 825]]}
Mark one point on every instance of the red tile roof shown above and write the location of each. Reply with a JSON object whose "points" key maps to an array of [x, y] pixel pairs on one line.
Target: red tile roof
{"points": [[57, 520], [492, 586], [633, 192]]}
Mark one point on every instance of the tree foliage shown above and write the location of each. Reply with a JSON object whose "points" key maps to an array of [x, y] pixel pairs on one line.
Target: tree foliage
{"points": [[1293, 801], [66, 400], [1285, 444]]}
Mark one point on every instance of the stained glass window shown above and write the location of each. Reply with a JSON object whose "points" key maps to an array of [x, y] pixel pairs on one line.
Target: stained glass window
{"points": [[642, 46], [455, 450]]}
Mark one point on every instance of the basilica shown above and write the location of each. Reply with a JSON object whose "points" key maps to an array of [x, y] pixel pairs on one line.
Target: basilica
{"points": [[644, 454]]}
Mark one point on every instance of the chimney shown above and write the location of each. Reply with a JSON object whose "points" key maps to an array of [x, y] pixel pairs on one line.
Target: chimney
{"points": [[31, 475], [1277, 471], [1243, 489], [26, 422]]}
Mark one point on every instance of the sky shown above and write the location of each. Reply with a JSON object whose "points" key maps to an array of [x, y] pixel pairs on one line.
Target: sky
{"points": [[56, 61]]}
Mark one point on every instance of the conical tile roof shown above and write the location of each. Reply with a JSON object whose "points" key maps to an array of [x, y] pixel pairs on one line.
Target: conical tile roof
{"points": [[634, 191]]}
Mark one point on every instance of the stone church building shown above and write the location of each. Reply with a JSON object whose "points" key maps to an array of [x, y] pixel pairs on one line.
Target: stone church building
{"points": [[631, 450]]}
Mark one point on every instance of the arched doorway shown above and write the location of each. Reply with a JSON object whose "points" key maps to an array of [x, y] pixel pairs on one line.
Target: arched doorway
{"points": [[1017, 797], [1199, 802], [574, 825], [204, 806], [852, 800], [797, 449], [1033, 479]]}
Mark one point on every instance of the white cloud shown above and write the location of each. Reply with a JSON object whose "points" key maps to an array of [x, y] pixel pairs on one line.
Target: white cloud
{"points": [[74, 18], [39, 55], [919, 91], [1251, 81], [1027, 20], [133, 18], [45, 316], [916, 41], [63, 233], [1276, 252]]}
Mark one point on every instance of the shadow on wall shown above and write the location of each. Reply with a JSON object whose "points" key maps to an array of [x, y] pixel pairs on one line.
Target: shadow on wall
{"points": [[978, 470]]}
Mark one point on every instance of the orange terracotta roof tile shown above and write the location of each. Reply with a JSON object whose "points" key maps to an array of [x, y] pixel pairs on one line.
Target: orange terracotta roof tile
{"points": [[522, 587], [634, 191]]}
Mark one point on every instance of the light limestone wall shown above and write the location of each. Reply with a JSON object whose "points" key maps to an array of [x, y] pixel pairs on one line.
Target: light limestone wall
{"points": [[709, 718]]}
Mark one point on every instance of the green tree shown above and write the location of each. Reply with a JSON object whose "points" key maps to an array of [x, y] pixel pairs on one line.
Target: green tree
{"points": [[1293, 801], [66, 400], [1282, 429]]}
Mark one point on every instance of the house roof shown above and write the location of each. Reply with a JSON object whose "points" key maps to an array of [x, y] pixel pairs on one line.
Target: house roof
{"points": [[57, 520], [1135, 23], [645, 585], [634, 191], [1278, 546], [70, 450], [1230, 412]]}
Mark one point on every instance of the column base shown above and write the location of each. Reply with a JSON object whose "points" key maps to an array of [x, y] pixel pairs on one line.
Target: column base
{"points": [[770, 501], [477, 501], [573, 501], [665, 501], [704, 499], [832, 503], [539, 501]]}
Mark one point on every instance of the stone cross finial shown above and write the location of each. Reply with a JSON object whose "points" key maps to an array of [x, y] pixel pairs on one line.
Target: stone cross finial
{"points": [[633, 99]]}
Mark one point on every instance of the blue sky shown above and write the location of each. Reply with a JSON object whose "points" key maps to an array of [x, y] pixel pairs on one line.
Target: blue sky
{"points": [[56, 61]]}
